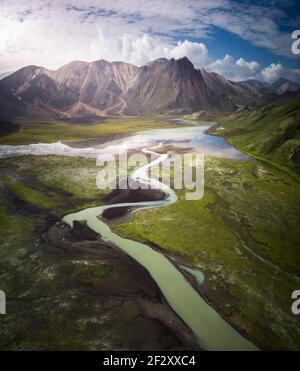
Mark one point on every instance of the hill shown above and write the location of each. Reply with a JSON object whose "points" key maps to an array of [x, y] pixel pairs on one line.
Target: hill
{"points": [[272, 131]]}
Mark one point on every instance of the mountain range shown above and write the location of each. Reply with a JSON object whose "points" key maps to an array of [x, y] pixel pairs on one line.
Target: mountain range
{"points": [[80, 89]]}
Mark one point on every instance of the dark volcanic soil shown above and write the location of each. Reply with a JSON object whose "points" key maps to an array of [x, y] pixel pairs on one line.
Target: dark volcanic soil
{"points": [[134, 288], [137, 195], [7, 128], [121, 214], [69, 290]]}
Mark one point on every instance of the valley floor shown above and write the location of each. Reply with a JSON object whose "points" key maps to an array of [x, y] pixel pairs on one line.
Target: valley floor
{"points": [[244, 235], [69, 300]]}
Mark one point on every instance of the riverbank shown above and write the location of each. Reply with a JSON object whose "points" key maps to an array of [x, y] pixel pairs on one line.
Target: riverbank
{"points": [[52, 131], [242, 235], [180, 295], [124, 215], [82, 240], [71, 300]]}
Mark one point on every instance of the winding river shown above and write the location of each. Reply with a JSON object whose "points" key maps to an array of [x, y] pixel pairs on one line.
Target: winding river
{"points": [[210, 329]]}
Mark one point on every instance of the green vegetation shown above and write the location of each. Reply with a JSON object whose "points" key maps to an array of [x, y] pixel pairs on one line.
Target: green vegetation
{"points": [[52, 182], [272, 132], [244, 234], [54, 300], [58, 300], [53, 131], [29, 275]]}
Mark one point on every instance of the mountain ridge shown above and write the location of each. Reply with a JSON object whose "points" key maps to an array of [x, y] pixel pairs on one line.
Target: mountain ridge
{"points": [[100, 87]]}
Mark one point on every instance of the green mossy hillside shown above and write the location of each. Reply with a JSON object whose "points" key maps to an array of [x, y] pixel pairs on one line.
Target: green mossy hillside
{"points": [[272, 131], [244, 235]]}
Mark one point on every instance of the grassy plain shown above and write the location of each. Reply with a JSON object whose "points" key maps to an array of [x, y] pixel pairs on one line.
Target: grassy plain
{"points": [[51, 131], [58, 300], [36, 317], [244, 234]]}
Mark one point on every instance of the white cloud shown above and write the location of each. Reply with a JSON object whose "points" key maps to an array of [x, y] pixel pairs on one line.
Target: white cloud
{"points": [[275, 70], [136, 31], [235, 70], [140, 50], [196, 52], [241, 70], [272, 72], [19, 44]]}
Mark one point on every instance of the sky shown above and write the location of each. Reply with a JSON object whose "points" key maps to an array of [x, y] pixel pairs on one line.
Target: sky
{"points": [[241, 40]]}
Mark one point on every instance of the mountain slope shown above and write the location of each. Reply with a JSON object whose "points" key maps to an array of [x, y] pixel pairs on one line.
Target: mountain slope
{"points": [[282, 86], [90, 86], [168, 85], [272, 131], [117, 88]]}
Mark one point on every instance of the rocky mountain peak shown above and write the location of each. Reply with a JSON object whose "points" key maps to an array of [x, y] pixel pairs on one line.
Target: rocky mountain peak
{"points": [[116, 88]]}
